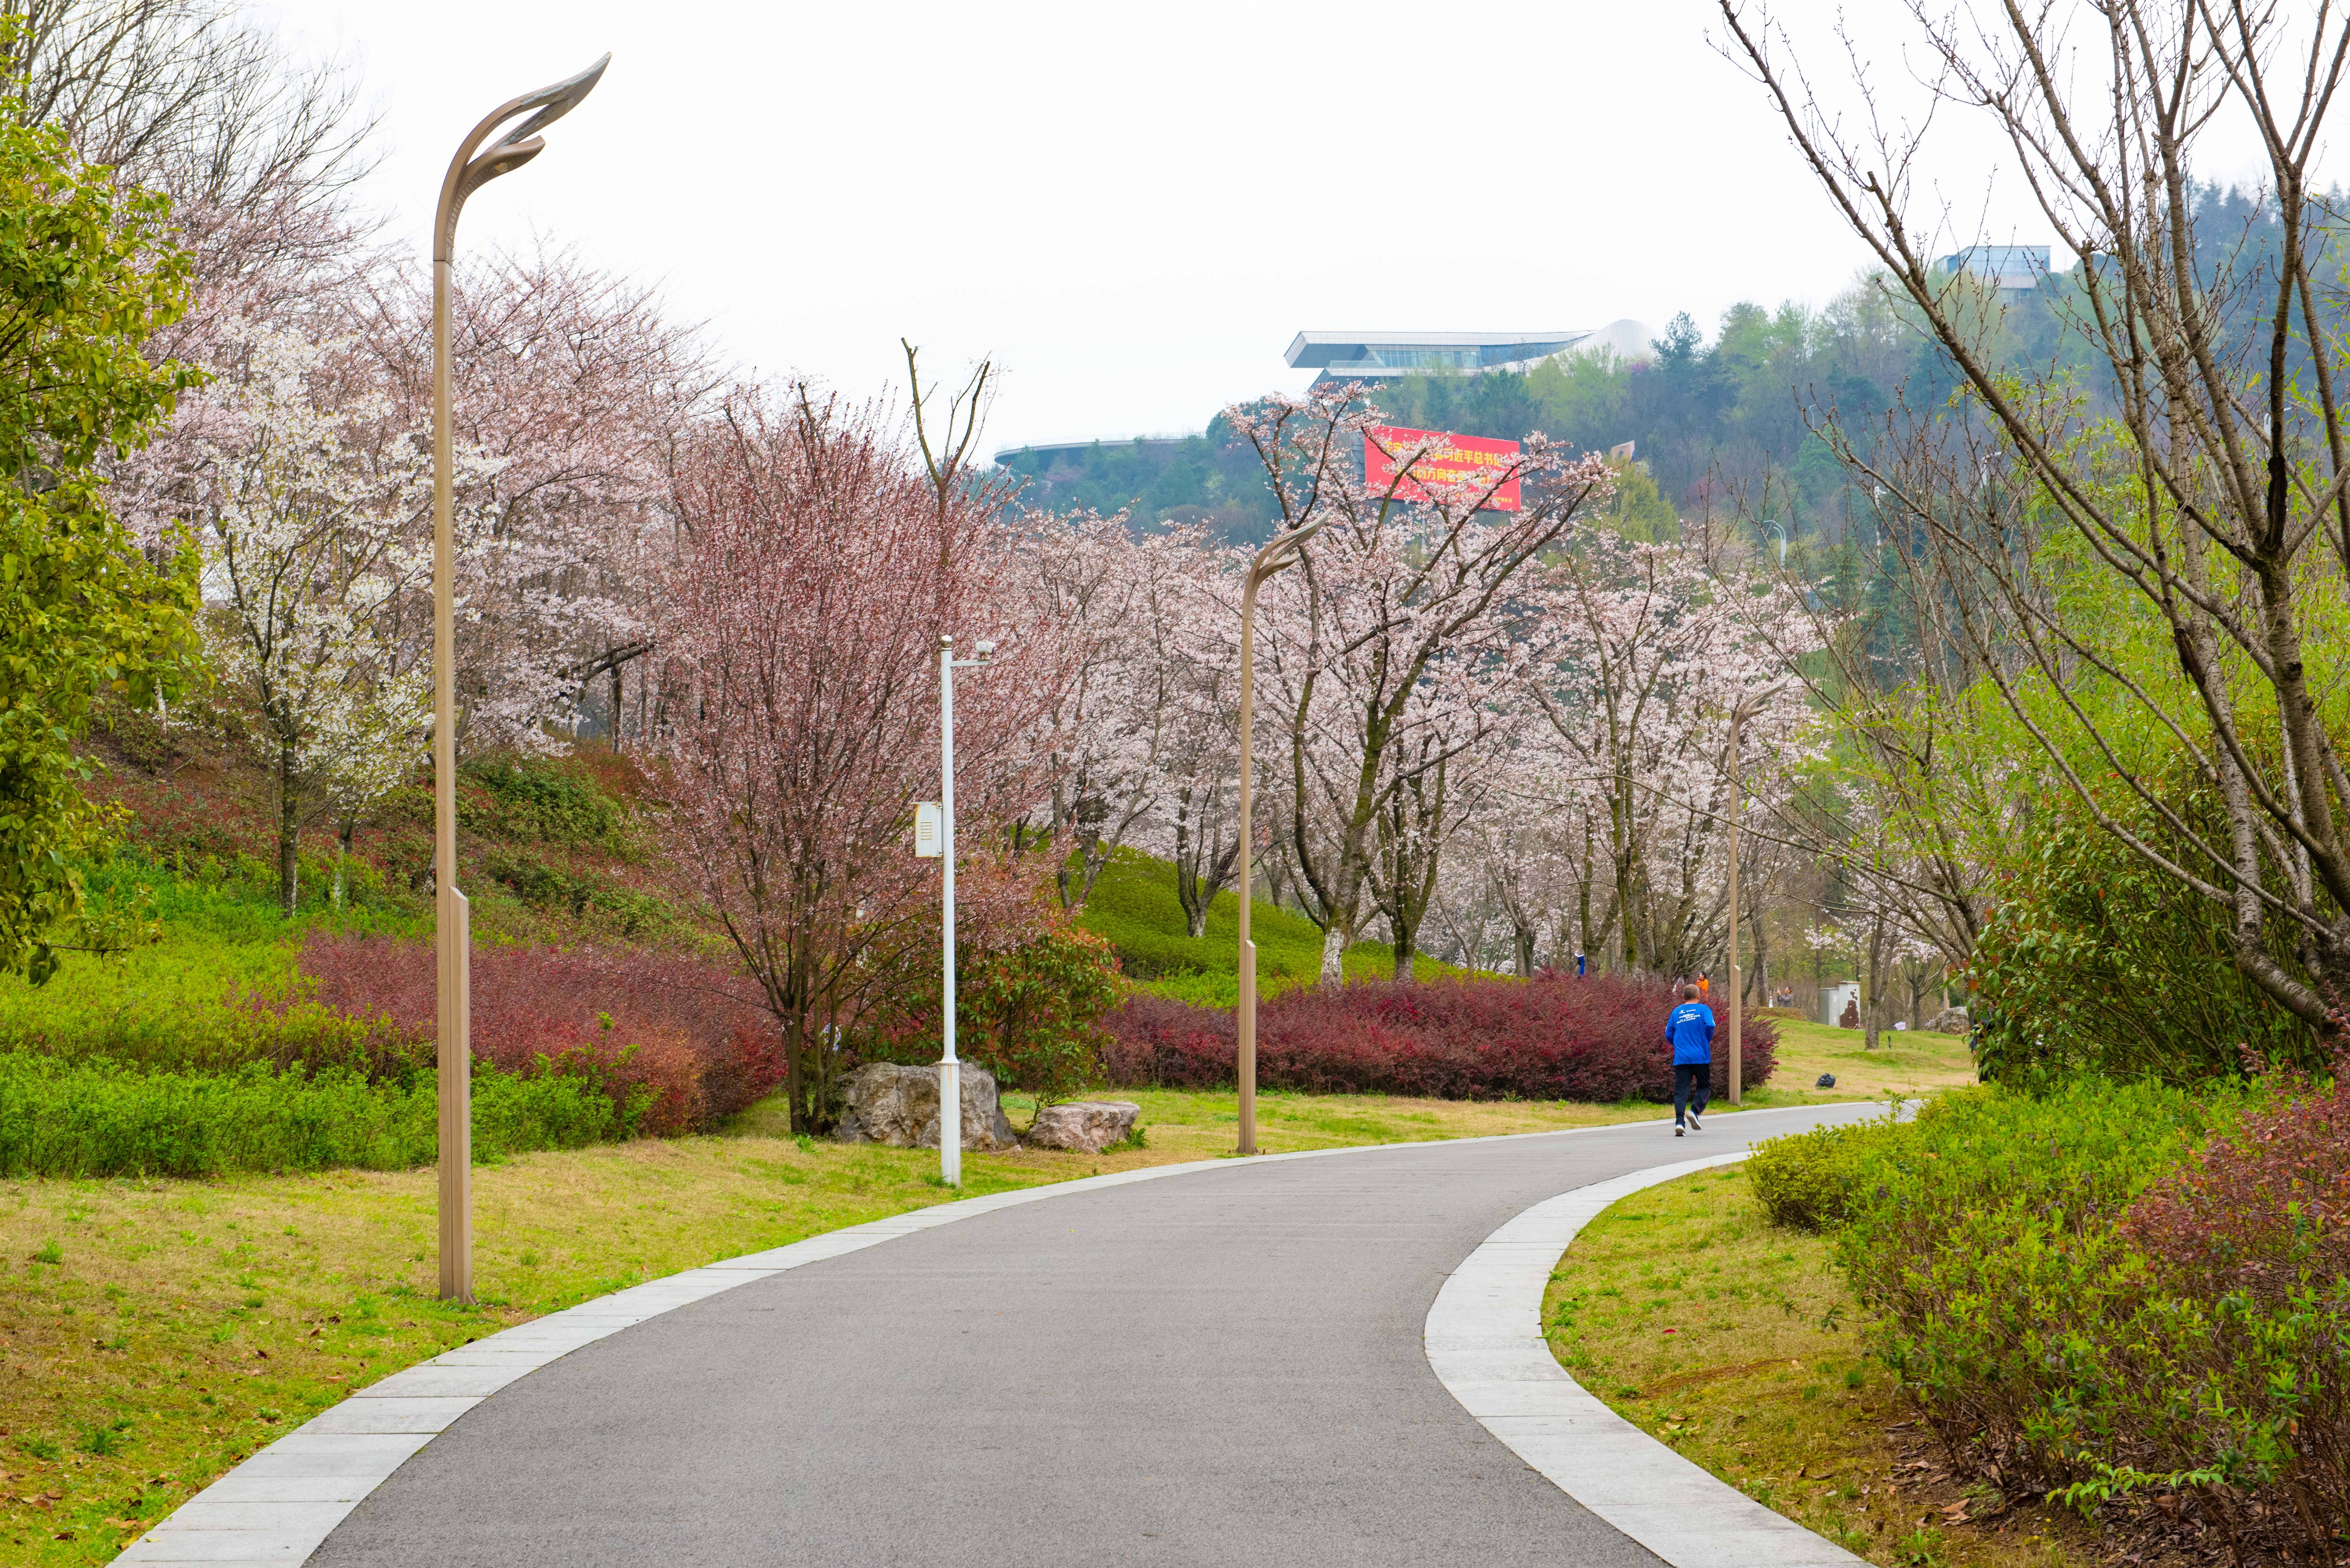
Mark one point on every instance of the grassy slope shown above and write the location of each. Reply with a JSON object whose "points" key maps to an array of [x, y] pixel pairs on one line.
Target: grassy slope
{"points": [[1734, 1342], [1134, 904], [183, 1325]]}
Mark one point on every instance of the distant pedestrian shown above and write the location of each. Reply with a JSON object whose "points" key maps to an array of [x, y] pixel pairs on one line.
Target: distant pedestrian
{"points": [[1690, 1030], [1705, 987]]}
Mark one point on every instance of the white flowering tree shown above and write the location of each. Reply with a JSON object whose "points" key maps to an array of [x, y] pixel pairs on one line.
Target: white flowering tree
{"points": [[307, 490]]}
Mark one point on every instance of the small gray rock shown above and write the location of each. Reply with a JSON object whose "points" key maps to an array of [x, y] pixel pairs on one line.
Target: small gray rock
{"points": [[1828, 1081], [1087, 1127], [1951, 1020]]}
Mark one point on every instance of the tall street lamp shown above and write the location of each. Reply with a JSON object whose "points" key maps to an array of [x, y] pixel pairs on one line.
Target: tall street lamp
{"points": [[1745, 708], [1277, 557], [950, 1069], [453, 943]]}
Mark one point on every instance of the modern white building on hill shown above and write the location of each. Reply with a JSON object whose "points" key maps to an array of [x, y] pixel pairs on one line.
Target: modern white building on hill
{"points": [[2004, 267], [1380, 356]]}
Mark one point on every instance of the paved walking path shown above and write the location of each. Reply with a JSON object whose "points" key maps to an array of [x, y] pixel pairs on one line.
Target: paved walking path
{"points": [[1223, 1365]]}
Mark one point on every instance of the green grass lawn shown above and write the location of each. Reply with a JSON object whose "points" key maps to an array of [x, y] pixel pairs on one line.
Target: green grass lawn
{"points": [[1134, 904], [1735, 1342]]}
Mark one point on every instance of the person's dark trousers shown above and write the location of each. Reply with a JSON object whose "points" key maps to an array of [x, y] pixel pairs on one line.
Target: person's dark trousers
{"points": [[1693, 1087]]}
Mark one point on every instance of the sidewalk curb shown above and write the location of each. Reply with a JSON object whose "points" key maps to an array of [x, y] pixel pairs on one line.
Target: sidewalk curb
{"points": [[279, 1506], [1486, 1342]]}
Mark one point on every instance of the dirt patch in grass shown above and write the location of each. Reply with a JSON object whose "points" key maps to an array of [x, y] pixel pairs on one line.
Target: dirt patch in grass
{"points": [[153, 1333], [1733, 1341]]}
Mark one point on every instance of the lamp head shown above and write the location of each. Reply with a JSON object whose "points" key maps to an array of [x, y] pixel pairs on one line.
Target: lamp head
{"points": [[468, 173], [1281, 552], [984, 647]]}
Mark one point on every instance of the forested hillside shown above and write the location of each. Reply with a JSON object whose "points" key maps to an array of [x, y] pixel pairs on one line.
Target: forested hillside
{"points": [[1726, 424]]}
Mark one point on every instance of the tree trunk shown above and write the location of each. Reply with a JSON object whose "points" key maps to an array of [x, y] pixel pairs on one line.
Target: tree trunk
{"points": [[1407, 943], [342, 855], [1525, 948], [1334, 954], [620, 689], [1873, 987], [289, 828]]}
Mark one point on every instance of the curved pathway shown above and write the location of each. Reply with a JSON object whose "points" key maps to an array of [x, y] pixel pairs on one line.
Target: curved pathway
{"points": [[1225, 1365]]}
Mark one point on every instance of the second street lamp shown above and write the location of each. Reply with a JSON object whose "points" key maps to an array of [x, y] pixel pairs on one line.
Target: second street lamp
{"points": [[452, 939], [1275, 557], [1744, 709]]}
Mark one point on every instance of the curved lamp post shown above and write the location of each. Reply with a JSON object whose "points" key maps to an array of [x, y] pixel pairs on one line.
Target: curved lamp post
{"points": [[1276, 556], [451, 939], [1745, 708]]}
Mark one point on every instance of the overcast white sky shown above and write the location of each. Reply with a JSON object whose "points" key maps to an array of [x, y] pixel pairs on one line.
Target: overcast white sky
{"points": [[1131, 208]]}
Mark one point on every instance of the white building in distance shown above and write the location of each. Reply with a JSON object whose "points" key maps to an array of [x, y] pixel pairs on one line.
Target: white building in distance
{"points": [[1383, 356]]}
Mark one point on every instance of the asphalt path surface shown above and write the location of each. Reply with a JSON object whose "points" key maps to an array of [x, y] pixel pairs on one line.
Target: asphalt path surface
{"points": [[1220, 1366]]}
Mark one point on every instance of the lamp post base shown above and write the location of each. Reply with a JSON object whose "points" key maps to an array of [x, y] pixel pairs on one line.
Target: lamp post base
{"points": [[951, 1123]]}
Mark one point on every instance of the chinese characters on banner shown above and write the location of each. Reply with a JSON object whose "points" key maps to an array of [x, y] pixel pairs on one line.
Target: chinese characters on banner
{"points": [[1442, 459]]}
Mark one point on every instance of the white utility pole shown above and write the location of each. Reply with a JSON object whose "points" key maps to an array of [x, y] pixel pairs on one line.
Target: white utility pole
{"points": [[950, 1069]]}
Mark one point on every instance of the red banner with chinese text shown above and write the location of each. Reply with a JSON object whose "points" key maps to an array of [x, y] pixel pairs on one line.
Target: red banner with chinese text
{"points": [[1441, 458]]}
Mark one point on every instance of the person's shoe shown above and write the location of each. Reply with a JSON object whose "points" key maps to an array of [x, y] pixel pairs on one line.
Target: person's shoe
{"points": [[1695, 1125], [1679, 1130]]}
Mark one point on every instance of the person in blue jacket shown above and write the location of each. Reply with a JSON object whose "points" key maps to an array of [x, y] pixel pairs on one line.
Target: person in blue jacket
{"points": [[1690, 1028]]}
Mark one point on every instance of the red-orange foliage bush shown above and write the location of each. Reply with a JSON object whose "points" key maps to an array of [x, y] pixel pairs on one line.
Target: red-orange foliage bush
{"points": [[676, 1043], [1553, 1038]]}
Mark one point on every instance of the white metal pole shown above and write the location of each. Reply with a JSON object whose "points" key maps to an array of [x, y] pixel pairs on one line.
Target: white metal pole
{"points": [[950, 1069]]}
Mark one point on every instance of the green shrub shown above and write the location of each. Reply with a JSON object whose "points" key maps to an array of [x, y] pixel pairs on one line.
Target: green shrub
{"points": [[1984, 1243], [1030, 1013], [2095, 962], [547, 800], [108, 1118], [1808, 1180]]}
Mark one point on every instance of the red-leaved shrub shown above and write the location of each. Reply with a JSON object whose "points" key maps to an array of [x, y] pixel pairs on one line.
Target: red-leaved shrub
{"points": [[1553, 1038], [680, 1045], [2238, 1362]]}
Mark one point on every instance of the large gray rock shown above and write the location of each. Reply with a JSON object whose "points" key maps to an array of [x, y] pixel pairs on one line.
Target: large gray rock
{"points": [[1950, 1021], [1087, 1127], [899, 1107]]}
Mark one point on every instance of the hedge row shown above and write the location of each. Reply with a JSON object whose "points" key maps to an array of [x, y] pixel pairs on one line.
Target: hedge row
{"points": [[679, 1045], [1556, 1037], [101, 1117]]}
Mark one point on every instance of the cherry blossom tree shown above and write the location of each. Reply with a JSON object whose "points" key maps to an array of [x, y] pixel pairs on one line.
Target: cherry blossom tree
{"points": [[1385, 643], [800, 628], [1117, 600], [573, 387], [1647, 648]]}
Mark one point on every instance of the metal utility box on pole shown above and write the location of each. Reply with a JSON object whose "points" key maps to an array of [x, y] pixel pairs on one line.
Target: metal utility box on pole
{"points": [[452, 930]]}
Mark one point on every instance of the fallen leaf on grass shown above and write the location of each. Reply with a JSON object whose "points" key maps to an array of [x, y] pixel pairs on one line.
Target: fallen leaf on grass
{"points": [[126, 1524]]}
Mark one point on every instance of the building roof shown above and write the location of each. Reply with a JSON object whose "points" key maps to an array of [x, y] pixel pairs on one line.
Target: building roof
{"points": [[1416, 350], [1379, 355]]}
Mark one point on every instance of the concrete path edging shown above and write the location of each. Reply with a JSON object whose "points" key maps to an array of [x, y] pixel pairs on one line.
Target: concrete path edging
{"points": [[279, 1506], [1486, 1342]]}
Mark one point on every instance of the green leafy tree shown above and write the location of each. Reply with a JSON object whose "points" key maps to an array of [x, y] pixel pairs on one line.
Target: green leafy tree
{"points": [[88, 271]]}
